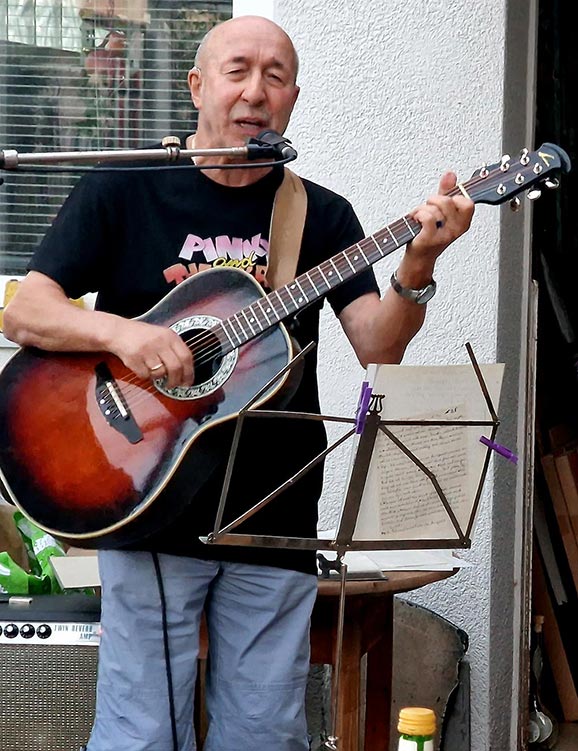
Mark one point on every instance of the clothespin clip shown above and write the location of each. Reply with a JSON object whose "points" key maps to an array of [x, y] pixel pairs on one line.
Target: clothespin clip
{"points": [[362, 406], [499, 449]]}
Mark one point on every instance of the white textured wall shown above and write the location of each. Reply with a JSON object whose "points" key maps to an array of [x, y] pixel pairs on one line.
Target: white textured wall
{"points": [[254, 8], [392, 94]]}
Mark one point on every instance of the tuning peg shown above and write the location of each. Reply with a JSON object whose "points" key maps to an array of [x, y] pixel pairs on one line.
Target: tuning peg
{"points": [[484, 171], [552, 183], [532, 195], [505, 163], [515, 203], [524, 158]]}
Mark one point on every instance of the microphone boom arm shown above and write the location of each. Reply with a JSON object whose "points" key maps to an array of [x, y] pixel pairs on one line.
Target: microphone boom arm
{"points": [[10, 159]]}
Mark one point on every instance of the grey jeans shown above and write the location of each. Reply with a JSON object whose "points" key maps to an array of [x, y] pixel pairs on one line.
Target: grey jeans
{"points": [[258, 620]]}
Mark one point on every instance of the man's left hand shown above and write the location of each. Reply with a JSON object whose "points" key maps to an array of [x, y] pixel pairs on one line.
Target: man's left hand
{"points": [[443, 219]]}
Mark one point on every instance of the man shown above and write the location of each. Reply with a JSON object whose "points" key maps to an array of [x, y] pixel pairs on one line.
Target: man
{"points": [[125, 235]]}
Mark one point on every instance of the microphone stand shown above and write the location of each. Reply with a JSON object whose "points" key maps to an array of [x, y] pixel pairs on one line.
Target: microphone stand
{"points": [[171, 152]]}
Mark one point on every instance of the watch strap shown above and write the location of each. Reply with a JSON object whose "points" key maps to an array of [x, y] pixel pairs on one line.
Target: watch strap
{"points": [[419, 296]]}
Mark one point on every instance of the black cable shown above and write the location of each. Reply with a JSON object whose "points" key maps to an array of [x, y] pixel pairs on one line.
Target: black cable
{"points": [[167, 651]]}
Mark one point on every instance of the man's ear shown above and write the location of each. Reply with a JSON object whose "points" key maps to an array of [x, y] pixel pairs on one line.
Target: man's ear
{"points": [[297, 90], [194, 81]]}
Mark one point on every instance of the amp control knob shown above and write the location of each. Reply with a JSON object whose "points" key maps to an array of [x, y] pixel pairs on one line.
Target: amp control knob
{"points": [[11, 631], [27, 631], [43, 631]]}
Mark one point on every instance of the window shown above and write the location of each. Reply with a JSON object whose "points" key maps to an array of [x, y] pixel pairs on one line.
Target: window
{"points": [[88, 74]]}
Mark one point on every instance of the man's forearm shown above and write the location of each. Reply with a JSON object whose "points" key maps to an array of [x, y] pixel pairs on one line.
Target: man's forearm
{"points": [[390, 330], [53, 323]]}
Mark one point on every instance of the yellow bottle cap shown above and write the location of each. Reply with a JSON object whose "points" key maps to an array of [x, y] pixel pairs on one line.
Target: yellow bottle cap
{"points": [[416, 721]]}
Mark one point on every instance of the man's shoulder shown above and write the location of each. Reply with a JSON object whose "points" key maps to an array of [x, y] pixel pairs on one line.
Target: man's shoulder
{"points": [[326, 208], [323, 195]]}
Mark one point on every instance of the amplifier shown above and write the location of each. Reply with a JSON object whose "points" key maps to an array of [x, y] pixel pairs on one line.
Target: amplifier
{"points": [[48, 662]]}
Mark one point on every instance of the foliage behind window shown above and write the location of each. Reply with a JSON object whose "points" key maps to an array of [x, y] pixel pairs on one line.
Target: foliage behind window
{"points": [[88, 74]]}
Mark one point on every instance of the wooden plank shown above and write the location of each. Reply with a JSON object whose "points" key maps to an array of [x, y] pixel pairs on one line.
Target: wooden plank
{"points": [[562, 488], [571, 457]]}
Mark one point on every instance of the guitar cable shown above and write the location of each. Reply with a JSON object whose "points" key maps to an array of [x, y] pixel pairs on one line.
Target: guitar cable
{"points": [[168, 670]]}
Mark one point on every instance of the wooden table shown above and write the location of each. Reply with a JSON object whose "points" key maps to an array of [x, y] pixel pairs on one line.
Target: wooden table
{"points": [[368, 630]]}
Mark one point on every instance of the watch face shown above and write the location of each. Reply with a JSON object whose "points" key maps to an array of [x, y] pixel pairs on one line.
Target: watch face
{"points": [[426, 294], [419, 296]]}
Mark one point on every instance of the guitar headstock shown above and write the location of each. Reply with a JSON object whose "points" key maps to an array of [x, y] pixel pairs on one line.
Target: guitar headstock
{"points": [[501, 182]]}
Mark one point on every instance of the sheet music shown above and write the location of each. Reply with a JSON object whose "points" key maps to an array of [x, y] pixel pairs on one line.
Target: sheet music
{"points": [[400, 501]]}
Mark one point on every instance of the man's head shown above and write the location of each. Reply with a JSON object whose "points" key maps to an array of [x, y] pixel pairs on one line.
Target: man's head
{"points": [[243, 81]]}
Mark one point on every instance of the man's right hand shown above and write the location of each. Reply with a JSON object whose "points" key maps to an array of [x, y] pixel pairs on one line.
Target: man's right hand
{"points": [[152, 351]]}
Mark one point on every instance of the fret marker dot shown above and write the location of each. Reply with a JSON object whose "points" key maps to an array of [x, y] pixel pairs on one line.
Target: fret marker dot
{"points": [[355, 258], [300, 299]]}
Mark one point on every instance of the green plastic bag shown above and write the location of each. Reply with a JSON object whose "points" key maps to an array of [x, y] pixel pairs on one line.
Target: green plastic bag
{"points": [[40, 547]]}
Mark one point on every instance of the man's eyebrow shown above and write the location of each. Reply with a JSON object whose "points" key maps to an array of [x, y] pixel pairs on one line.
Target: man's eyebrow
{"points": [[242, 60]]}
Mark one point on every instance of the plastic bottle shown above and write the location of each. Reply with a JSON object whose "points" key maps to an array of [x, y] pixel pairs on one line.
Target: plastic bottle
{"points": [[416, 727]]}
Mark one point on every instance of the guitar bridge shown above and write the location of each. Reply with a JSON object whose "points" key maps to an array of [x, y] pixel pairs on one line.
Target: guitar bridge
{"points": [[113, 406]]}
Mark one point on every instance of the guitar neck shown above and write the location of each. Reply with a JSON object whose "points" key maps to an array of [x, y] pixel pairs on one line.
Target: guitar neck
{"points": [[492, 184], [256, 318]]}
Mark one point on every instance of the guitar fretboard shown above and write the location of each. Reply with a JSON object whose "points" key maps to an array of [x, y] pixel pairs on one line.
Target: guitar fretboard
{"points": [[256, 318]]}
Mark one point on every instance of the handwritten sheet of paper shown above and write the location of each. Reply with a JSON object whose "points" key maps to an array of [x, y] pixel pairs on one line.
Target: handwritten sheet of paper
{"points": [[400, 501]]}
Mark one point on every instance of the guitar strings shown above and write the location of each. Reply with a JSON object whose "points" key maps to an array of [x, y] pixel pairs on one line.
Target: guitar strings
{"points": [[214, 348]]}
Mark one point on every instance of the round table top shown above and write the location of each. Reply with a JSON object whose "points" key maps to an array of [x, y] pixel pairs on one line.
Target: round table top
{"points": [[396, 581]]}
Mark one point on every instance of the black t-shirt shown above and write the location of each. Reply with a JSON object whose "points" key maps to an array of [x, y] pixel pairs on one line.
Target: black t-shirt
{"points": [[131, 236]]}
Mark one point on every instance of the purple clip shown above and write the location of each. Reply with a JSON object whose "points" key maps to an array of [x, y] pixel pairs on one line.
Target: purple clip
{"points": [[362, 405], [498, 448]]}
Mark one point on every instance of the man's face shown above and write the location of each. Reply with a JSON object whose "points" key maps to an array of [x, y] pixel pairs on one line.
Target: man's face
{"points": [[245, 83]]}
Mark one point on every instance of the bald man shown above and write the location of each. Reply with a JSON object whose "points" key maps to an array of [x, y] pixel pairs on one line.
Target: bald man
{"points": [[132, 237]]}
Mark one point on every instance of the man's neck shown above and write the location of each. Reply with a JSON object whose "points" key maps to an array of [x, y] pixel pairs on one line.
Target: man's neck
{"points": [[233, 178]]}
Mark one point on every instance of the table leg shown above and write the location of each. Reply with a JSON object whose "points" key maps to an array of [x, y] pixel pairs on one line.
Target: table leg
{"points": [[349, 696], [379, 683]]}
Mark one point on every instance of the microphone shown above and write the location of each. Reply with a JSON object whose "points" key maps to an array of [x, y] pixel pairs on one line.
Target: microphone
{"points": [[269, 143]]}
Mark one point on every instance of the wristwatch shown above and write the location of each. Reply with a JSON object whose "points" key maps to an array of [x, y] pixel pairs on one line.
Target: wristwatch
{"points": [[419, 296]]}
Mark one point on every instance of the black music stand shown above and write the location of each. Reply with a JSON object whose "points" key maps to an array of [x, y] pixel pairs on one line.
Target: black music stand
{"points": [[366, 426]]}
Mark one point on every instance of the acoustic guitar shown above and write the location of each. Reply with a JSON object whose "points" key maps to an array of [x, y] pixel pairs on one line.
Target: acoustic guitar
{"points": [[100, 458]]}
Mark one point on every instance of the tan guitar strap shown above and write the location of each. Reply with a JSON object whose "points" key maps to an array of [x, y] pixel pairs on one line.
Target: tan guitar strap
{"points": [[286, 231]]}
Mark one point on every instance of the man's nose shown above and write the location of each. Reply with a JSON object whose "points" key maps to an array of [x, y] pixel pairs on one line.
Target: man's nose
{"points": [[254, 91]]}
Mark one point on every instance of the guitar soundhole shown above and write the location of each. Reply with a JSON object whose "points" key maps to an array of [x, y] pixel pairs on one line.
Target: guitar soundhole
{"points": [[212, 366], [207, 353]]}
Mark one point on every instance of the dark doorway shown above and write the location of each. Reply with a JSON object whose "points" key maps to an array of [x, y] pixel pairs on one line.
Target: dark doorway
{"points": [[555, 267]]}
